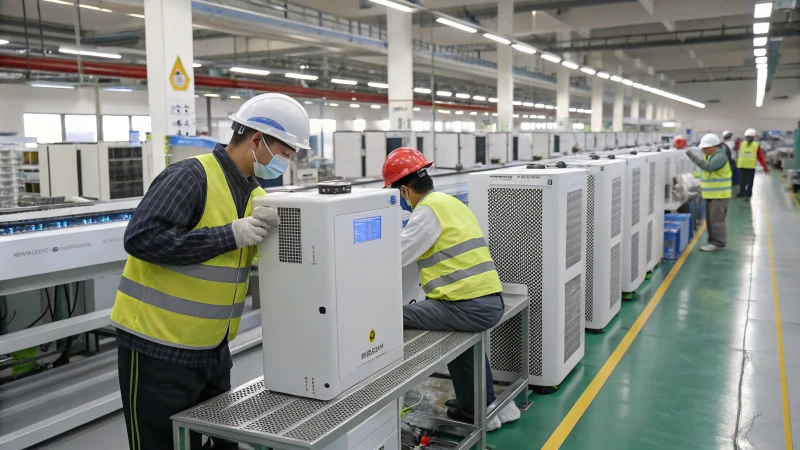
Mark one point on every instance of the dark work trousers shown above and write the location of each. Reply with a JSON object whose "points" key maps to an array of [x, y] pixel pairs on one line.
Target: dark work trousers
{"points": [[735, 174], [746, 184], [154, 390], [716, 214], [479, 314]]}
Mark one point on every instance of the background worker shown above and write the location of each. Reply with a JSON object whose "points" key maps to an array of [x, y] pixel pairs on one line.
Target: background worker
{"points": [[715, 184], [749, 153], [457, 272], [733, 154], [191, 242]]}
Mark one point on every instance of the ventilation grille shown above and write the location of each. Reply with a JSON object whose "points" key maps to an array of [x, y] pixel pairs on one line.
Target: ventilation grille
{"points": [[652, 196], [616, 207], [634, 256], [572, 317], [574, 231], [589, 295], [650, 241], [636, 186], [667, 182], [515, 242], [290, 245], [616, 279]]}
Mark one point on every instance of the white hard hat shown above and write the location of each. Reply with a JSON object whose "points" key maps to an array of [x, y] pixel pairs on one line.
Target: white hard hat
{"points": [[726, 132], [276, 115], [709, 140], [750, 132]]}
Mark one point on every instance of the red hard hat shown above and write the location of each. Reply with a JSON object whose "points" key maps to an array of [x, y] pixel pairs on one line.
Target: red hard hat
{"points": [[401, 162]]}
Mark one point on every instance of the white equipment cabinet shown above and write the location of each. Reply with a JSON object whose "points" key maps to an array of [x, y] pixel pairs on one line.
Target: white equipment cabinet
{"points": [[541, 145], [654, 243], [374, 152], [332, 298], [535, 225], [524, 146], [467, 151], [446, 150], [498, 146], [604, 209], [348, 154], [634, 262]]}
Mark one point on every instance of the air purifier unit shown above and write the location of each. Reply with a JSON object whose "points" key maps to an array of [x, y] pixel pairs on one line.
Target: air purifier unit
{"points": [[324, 327], [605, 204], [534, 221], [654, 237]]}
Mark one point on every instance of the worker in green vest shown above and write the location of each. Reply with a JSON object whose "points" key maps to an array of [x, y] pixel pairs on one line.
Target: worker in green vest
{"points": [[749, 152], [715, 184], [456, 272], [191, 242]]}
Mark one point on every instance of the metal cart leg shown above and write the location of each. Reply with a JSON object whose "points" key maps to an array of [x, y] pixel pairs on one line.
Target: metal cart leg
{"points": [[180, 437], [479, 358], [526, 358]]}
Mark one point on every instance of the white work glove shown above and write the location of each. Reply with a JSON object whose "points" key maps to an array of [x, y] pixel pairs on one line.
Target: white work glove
{"points": [[249, 231], [267, 215]]}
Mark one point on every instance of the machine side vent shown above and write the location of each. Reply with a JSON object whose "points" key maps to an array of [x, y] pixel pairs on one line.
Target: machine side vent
{"points": [[290, 245], [636, 186], [652, 195], [616, 207], [574, 231], [515, 242], [590, 186], [667, 182], [616, 281], [572, 317], [634, 256], [650, 241]]}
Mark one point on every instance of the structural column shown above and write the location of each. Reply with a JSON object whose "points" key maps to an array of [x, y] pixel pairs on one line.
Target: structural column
{"points": [[400, 68], [648, 109], [505, 67], [170, 77], [562, 89], [635, 104], [619, 105], [596, 61]]}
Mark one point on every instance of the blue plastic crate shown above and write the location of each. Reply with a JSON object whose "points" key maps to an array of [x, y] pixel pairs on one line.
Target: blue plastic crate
{"points": [[681, 217], [672, 239]]}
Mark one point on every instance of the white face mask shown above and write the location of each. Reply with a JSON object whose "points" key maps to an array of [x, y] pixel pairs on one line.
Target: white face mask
{"points": [[276, 167]]}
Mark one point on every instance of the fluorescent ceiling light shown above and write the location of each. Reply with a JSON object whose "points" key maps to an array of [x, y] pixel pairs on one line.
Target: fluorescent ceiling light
{"points": [[444, 111], [627, 82], [308, 102], [760, 41], [761, 28], [759, 52], [393, 5], [647, 88], [453, 24], [495, 114], [523, 49], [301, 76], [118, 89], [95, 8], [138, 16], [551, 58], [378, 85], [493, 100], [479, 98], [422, 90], [516, 103], [235, 97], [458, 113], [539, 105], [524, 116], [549, 107], [249, 71], [516, 116], [60, 2], [761, 60], [603, 75], [570, 65], [73, 51], [333, 104], [616, 78], [473, 113], [211, 95], [417, 109], [573, 110], [763, 10], [578, 110], [588, 70], [587, 111], [348, 82], [355, 105], [528, 104], [53, 86], [3, 42], [761, 66], [375, 106], [462, 95], [499, 39], [196, 65], [637, 85], [444, 93]]}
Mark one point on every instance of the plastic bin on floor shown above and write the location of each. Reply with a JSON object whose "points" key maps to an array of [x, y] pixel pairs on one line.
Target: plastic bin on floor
{"points": [[681, 217], [683, 240], [672, 240]]}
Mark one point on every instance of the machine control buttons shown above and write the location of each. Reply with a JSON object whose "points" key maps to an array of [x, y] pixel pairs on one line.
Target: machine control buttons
{"points": [[335, 187]]}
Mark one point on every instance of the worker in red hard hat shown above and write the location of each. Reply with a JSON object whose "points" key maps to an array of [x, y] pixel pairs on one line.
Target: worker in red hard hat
{"points": [[456, 271], [679, 142]]}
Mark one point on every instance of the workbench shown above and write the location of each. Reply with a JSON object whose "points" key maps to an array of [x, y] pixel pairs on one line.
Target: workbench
{"points": [[250, 414]]}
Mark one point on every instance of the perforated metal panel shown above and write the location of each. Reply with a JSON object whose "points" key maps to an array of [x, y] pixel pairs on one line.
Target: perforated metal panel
{"points": [[515, 242], [636, 191], [574, 230], [589, 295], [290, 245], [616, 206], [652, 196], [634, 256], [616, 267], [650, 241], [667, 182], [572, 317]]}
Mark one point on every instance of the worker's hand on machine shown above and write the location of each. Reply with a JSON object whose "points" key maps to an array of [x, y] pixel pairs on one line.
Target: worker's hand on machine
{"points": [[249, 231], [267, 215]]}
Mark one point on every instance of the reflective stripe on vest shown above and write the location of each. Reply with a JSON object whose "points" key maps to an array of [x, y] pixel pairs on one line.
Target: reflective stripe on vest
{"points": [[717, 184], [748, 155], [458, 266], [193, 306]]}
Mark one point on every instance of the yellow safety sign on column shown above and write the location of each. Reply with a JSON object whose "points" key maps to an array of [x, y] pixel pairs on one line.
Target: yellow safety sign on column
{"points": [[178, 77]]}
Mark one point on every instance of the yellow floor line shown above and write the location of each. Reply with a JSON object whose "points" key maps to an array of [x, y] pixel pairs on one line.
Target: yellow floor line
{"points": [[571, 419], [787, 420]]}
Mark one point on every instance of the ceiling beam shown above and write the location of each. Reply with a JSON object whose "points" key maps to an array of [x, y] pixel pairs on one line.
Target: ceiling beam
{"points": [[648, 6]]}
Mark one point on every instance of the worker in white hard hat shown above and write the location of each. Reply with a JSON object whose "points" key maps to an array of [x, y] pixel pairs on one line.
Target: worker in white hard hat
{"points": [[729, 147], [749, 153], [715, 184], [191, 243]]}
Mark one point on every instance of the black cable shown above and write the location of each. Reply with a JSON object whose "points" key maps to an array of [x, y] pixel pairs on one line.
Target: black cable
{"points": [[75, 304], [27, 44], [55, 293], [40, 317], [41, 32]]}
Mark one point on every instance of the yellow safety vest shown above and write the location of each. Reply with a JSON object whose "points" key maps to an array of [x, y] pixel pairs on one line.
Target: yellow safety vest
{"points": [[717, 184], [748, 155], [190, 306], [459, 265]]}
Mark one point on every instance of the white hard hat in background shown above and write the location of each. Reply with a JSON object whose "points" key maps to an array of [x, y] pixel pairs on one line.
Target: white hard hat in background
{"points": [[276, 115], [750, 132], [726, 132], [709, 140]]}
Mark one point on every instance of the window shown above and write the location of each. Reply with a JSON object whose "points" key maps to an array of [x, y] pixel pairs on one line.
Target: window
{"points": [[46, 128], [359, 125], [116, 128], [328, 128], [416, 125], [80, 128], [142, 125], [386, 125]]}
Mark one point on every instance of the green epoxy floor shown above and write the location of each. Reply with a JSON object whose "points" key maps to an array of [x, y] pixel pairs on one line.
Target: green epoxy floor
{"points": [[703, 372]]}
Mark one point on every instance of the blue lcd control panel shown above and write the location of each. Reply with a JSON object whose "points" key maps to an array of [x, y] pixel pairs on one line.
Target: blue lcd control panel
{"points": [[367, 229], [31, 226]]}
